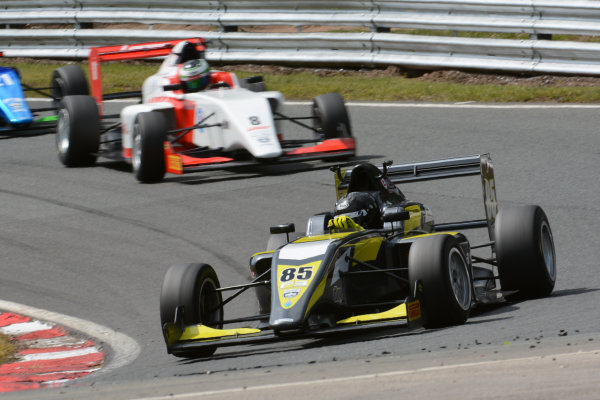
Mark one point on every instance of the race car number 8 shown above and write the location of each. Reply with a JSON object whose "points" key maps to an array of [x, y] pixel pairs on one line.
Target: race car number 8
{"points": [[301, 273]]}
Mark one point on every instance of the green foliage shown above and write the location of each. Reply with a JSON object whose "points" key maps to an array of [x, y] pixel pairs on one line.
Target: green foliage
{"points": [[304, 85]]}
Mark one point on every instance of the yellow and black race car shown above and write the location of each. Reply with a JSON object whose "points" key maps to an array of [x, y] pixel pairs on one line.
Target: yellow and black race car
{"points": [[378, 260]]}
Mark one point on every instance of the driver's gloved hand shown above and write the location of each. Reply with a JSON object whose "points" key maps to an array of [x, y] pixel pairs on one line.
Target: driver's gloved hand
{"points": [[344, 222]]}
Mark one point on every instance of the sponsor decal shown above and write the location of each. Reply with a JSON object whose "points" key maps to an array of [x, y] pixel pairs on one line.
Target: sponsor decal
{"points": [[256, 125], [145, 46], [94, 70], [16, 104], [256, 128], [342, 205], [293, 281], [285, 284], [174, 163], [6, 80], [288, 294], [389, 186], [413, 310]]}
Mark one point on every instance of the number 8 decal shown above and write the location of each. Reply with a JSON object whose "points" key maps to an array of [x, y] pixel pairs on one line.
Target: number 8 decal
{"points": [[287, 274]]}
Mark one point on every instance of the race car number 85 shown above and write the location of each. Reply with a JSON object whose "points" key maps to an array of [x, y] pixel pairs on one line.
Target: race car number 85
{"points": [[302, 273]]}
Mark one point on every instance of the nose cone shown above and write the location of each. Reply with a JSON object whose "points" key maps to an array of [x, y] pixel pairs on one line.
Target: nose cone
{"points": [[283, 324]]}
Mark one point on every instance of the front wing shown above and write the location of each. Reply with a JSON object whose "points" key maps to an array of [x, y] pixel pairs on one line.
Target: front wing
{"points": [[39, 126], [180, 338], [178, 163]]}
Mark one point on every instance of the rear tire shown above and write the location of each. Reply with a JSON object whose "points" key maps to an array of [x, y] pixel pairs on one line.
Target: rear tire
{"points": [[438, 263], [68, 81], [78, 131], [525, 251], [148, 155], [331, 116], [192, 286]]}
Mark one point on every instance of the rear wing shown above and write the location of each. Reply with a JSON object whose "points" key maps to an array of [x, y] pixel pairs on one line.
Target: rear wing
{"points": [[440, 169], [128, 52]]}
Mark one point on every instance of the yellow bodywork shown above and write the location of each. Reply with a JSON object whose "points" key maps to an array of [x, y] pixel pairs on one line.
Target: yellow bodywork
{"points": [[430, 234], [196, 332], [398, 312], [330, 236]]}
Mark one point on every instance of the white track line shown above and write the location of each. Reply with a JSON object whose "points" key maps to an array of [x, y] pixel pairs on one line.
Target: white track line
{"points": [[466, 104], [472, 105]]}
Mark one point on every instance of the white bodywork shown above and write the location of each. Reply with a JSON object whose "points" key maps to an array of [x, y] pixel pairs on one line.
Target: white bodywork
{"points": [[245, 118]]}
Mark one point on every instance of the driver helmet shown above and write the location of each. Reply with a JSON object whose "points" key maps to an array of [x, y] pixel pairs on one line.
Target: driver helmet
{"points": [[362, 207], [194, 75]]}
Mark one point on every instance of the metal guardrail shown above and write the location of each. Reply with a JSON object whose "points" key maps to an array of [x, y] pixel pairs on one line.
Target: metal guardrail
{"points": [[579, 17], [535, 17]]}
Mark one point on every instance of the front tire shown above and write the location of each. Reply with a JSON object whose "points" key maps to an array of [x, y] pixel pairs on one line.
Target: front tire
{"points": [[439, 265], [78, 131], [148, 155], [331, 116], [525, 251], [193, 286]]}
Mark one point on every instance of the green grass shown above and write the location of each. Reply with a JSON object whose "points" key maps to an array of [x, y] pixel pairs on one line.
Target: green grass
{"points": [[405, 89], [7, 349], [304, 84]]}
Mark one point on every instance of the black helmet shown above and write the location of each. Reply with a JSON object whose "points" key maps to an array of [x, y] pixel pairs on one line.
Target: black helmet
{"points": [[362, 207]]}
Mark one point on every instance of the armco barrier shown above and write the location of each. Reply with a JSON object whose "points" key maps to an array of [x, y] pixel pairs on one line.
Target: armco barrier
{"points": [[534, 17]]}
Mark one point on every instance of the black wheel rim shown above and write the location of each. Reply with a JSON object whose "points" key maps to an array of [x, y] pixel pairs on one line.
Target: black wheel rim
{"points": [[547, 248], [459, 279], [209, 304]]}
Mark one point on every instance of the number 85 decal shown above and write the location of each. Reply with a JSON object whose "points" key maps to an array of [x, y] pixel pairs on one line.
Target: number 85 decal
{"points": [[301, 273]]}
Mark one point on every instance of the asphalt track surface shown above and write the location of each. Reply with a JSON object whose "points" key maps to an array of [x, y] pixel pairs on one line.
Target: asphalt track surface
{"points": [[93, 244]]}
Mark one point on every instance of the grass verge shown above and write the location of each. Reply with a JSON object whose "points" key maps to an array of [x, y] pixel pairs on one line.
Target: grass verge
{"points": [[364, 85]]}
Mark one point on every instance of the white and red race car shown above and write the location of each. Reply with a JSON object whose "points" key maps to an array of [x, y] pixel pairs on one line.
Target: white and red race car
{"points": [[232, 123]]}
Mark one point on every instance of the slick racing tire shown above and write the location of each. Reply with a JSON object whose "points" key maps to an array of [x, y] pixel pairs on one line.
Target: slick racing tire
{"points": [[439, 266], [525, 252], [68, 81], [148, 155], [193, 286], [78, 131], [330, 116]]}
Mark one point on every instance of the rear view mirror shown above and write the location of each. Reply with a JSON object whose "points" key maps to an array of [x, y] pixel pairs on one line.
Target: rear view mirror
{"points": [[284, 228], [393, 214]]}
